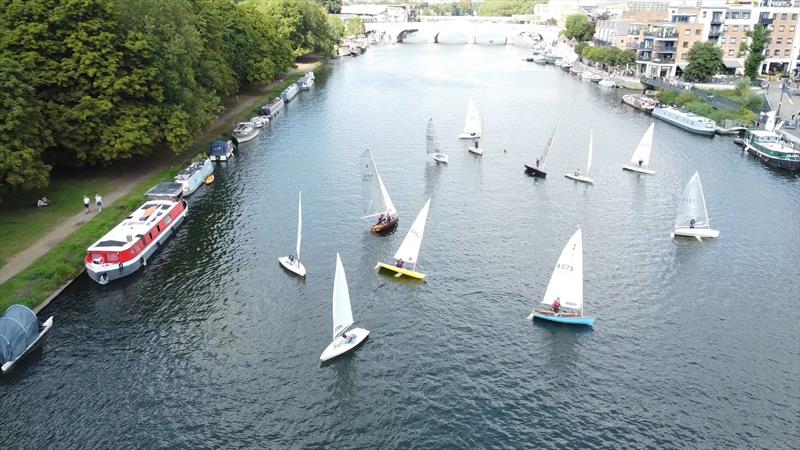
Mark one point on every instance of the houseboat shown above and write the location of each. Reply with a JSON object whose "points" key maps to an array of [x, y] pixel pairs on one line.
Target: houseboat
{"points": [[306, 82], [289, 93], [221, 150], [272, 108], [128, 246], [640, 102], [245, 131], [772, 149], [193, 176], [686, 120]]}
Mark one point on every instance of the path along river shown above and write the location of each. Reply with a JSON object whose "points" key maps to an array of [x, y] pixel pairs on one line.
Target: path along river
{"points": [[696, 344]]}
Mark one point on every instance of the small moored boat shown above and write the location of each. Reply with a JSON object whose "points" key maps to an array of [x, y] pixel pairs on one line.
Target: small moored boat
{"points": [[345, 339], [640, 102], [306, 82], [192, 177], [272, 108], [692, 218], [245, 131], [20, 333], [260, 121], [773, 149], [221, 150], [408, 252], [289, 93], [209, 179], [688, 121], [607, 82]]}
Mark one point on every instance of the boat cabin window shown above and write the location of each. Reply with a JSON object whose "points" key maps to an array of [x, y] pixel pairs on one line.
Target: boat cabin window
{"points": [[158, 228], [167, 220], [164, 206], [110, 243]]}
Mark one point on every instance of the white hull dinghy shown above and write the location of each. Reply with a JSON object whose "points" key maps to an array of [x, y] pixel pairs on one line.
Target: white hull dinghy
{"points": [[408, 253], [292, 263], [472, 123], [692, 219], [640, 160], [577, 175], [345, 339], [565, 290], [432, 144]]}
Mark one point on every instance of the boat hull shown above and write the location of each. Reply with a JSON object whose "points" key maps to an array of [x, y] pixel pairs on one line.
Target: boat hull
{"points": [[695, 232], [692, 129], [566, 318], [580, 178], [385, 227], [338, 347], [246, 137], [469, 136], [639, 169], [46, 326], [441, 158], [475, 151], [293, 266], [792, 165], [399, 271], [534, 172]]}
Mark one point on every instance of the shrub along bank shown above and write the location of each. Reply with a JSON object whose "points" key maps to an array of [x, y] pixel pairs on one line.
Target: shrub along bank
{"points": [[693, 103]]}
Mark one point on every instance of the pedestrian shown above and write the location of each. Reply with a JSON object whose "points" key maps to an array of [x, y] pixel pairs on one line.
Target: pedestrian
{"points": [[86, 203], [98, 200]]}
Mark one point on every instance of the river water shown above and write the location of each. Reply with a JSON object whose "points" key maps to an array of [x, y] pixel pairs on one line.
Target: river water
{"points": [[696, 344]]}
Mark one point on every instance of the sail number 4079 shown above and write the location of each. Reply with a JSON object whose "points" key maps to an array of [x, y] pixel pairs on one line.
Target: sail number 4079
{"points": [[565, 267]]}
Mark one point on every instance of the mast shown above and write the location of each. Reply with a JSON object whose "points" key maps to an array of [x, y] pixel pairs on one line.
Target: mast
{"points": [[589, 159], [547, 147], [703, 197], [299, 223]]}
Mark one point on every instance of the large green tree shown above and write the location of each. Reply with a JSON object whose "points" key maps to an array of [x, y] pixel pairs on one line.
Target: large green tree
{"points": [[303, 22], [759, 40], [355, 26], [333, 6], [507, 7], [607, 56], [578, 27], [705, 61]]}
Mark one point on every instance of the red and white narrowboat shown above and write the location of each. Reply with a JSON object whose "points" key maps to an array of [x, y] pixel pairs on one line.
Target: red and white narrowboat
{"points": [[128, 246]]}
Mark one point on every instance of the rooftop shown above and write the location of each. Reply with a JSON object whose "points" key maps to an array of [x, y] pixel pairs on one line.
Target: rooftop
{"points": [[134, 226]]}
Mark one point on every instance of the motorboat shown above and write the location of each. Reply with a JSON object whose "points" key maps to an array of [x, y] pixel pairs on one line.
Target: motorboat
{"points": [[192, 177], [260, 121], [245, 131], [290, 92], [640, 102], [306, 82], [221, 150]]}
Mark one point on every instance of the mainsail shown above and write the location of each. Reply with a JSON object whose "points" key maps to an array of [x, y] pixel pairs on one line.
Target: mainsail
{"points": [[472, 123], [299, 223], [374, 197], [409, 249], [642, 152], [431, 139], [342, 314], [566, 283], [589, 159], [543, 158], [692, 205]]}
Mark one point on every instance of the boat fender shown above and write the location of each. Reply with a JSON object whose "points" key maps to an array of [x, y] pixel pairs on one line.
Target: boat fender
{"points": [[144, 261], [120, 267]]}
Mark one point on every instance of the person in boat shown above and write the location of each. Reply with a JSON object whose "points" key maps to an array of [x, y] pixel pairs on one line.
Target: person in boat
{"points": [[691, 223], [399, 263], [537, 163], [641, 161], [380, 219], [577, 172], [556, 305], [291, 258]]}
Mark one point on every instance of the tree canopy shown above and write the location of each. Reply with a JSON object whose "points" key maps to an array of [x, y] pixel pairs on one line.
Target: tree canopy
{"points": [[303, 22], [507, 7], [759, 40], [355, 26], [608, 56], [461, 8], [578, 27], [705, 60]]}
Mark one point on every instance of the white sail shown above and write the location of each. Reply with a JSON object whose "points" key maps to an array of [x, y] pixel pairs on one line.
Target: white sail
{"points": [[299, 223], [589, 159], [409, 249], [543, 158], [566, 283], [472, 123], [431, 139], [342, 314], [692, 205], [374, 197], [642, 152]]}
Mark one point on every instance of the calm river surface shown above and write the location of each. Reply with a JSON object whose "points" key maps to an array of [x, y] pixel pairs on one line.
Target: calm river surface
{"points": [[696, 344]]}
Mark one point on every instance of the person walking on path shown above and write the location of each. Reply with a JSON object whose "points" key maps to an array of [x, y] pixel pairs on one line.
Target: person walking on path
{"points": [[99, 202], [86, 204]]}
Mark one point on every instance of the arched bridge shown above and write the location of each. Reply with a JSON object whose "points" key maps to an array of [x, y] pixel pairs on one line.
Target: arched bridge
{"points": [[464, 30]]}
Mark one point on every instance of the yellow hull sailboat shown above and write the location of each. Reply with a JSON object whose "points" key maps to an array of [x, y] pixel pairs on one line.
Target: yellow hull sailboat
{"points": [[399, 271], [409, 250]]}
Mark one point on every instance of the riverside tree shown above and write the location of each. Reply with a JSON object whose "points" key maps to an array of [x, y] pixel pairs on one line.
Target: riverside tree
{"points": [[759, 39], [303, 22], [507, 7], [578, 27], [705, 60]]}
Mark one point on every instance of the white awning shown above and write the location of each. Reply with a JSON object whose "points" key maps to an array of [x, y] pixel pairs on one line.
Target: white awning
{"points": [[732, 63]]}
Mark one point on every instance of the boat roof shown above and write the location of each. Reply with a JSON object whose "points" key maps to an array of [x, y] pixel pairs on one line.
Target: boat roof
{"points": [[165, 191], [134, 226], [244, 126], [187, 173]]}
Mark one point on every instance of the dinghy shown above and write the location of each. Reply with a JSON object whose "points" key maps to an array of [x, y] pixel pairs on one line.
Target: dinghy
{"points": [[345, 339], [432, 144], [577, 175], [20, 333], [475, 148], [409, 249], [292, 263], [375, 199], [209, 179], [537, 169], [641, 156], [692, 219], [472, 123], [566, 288]]}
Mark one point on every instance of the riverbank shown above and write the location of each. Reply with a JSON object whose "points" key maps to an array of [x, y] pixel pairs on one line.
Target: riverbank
{"points": [[46, 266]]}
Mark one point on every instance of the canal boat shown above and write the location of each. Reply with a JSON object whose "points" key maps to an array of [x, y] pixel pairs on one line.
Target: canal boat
{"points": [[585, 178], [640, 160], [345, 338], [260, 121], [641, 102], [565, 290], [306, 82], [472, 123], [375, 200], [272, 108], [290, 92], [432, 144], [221, 150], [292, 262], [408, 253], [126, 248], [688, 121], [772, 149], [192, 177], [20, 333], [537, 168], [692, 219], [245, 131]]}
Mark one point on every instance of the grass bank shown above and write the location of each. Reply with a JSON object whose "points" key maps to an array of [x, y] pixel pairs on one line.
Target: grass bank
{"points": [[65, 261]]}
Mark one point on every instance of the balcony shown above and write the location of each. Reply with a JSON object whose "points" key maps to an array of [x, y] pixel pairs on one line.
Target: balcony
{"points": [[665, 49], [715, 32], [662, 34], [643, 58], [646, 45], [664, 60]]}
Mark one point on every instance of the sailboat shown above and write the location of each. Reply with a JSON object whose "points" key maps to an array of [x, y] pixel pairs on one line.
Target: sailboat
{"points": [[474, 148], [292, 263], [537, 170], [692, 219], [566, 287], [432, 144], [375, 199], [641, 156], [345, 338], [472, 123], [408, 252], [577, 175]]}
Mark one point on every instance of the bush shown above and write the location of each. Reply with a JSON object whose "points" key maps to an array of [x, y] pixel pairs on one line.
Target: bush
{"points": [[686, 97], [742, 86], [667, 97]]}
